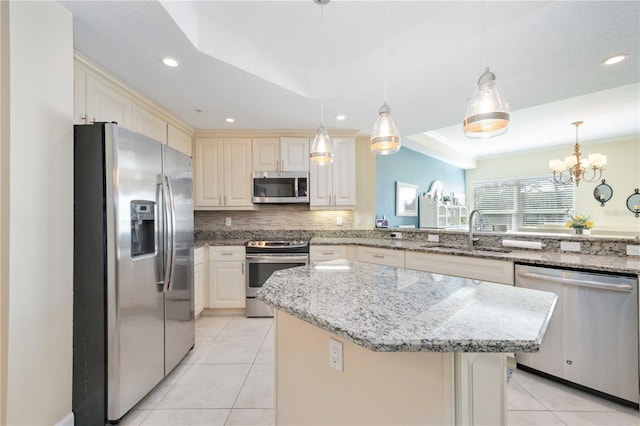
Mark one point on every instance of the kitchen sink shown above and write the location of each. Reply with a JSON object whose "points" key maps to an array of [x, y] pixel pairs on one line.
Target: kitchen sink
{"points": [[468, 249]]}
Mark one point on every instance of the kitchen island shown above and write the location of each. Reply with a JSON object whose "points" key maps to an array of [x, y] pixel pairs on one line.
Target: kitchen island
{"points": [[417, 347]]}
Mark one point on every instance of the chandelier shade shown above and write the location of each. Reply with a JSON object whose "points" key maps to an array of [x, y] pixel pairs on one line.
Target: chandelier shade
{"points": [[574, 169], [321, 148], [385, 137], [487, 113]]}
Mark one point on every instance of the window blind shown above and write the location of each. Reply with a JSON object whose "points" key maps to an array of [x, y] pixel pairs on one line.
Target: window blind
{"points": [[531, 201]]}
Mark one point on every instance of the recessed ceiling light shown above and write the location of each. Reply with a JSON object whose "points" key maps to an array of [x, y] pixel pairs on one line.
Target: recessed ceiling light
{"points": [[615, 59], [170, 62], [340, 117], [230, 120]]}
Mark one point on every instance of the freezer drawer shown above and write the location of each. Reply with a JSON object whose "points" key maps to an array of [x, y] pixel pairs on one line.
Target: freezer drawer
{"points": [[592, 338]]}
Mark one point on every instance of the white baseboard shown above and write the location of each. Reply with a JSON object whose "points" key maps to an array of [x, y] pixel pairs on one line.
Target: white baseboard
{"points": [[67, 420]]}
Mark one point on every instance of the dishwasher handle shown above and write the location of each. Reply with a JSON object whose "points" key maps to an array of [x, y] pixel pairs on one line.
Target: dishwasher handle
{"points": [[626, 288]]}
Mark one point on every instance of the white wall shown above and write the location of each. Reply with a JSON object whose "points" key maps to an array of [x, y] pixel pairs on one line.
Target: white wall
{"points": [[622, 174], [40, 213]]}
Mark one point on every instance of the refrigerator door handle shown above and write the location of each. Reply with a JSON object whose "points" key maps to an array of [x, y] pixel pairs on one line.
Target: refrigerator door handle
{"points": [[168, 233], [171, 232], [160, 274]]}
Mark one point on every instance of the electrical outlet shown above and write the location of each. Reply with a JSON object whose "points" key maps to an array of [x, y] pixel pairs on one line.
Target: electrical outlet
{"points": [[339, 220], [569, 246], [358, 220], [227, 221], [633, 250], [396, 235], [433, 238], [335, 354]]}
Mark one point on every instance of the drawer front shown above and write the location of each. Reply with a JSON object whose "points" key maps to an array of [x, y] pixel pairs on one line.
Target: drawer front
{"points": [[492, 270], [198, 256], [226, 253], [323, 253], [381, 256]]}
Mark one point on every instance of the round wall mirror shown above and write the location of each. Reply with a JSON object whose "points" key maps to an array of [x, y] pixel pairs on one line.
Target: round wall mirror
{"points": [[603, 193], [633, 202]]}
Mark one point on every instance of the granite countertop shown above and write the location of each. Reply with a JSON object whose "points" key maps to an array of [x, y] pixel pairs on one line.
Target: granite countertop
{"points": [[389, 309], [621, 264], [220, 242]]}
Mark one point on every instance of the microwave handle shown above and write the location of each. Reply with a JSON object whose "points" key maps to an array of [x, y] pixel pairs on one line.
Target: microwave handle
{"points": [[295, 189]]}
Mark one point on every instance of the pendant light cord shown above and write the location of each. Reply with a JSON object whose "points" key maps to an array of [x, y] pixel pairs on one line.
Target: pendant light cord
{"points": [[486, 33], [322, 64], [385, 51]]}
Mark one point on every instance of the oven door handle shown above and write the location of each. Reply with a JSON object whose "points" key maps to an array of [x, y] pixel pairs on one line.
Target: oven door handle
{"points": [[276, 258]]}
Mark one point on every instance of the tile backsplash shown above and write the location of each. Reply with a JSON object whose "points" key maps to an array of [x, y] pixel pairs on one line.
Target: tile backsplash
{"points": [[274, 217]]}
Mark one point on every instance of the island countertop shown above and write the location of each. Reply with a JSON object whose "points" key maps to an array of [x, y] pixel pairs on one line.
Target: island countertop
{"points": [[390, 309]]}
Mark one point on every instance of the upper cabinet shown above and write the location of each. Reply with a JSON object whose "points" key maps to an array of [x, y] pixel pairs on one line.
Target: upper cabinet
{"points": [[280, 154], [222, 173], [333, 186], [148, 124], [99, 98], [180, 140]]}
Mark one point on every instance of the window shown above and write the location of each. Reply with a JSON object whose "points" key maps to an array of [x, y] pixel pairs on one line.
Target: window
{"points": [[526, 202]]}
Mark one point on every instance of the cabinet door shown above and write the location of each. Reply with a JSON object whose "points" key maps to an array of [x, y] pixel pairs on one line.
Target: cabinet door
{"points": [[344, 172], [266, 154], [104, 103], [208, 172], [79, 96], [226, 285], [179, 140], [148, 124], [294, 154], [198, 283], [237, 170], [320, 184], [381, 256]]}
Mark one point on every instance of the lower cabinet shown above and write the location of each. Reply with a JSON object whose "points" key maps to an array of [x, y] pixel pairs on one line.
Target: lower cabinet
{"points": [[325, 253], [227, 277], [481, 388], [199, 279], [381, 256], [482, 269]]}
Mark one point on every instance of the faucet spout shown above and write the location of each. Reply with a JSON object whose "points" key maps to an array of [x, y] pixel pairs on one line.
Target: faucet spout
{"points": [[471, 216]]}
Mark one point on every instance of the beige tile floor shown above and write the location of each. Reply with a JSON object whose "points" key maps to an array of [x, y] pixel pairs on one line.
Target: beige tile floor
{"points": [[227, 379]]}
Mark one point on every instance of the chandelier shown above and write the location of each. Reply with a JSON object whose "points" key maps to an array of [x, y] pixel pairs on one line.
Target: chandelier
{"points": [[575, 169]]}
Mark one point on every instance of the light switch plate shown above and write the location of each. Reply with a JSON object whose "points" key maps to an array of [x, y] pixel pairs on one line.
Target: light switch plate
{"points": [[633, 250], [227, 221], [569, 246], [335, 354]]}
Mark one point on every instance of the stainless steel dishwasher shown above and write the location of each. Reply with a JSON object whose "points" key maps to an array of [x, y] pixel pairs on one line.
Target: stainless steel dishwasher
{"points": [[592, 338]]}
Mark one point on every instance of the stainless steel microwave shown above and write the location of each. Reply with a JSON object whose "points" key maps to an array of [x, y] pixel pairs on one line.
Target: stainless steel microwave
{"points": [[280, 187]]}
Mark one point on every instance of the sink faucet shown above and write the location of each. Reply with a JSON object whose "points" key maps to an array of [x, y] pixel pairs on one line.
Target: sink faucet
{"points": [[473, 212]]}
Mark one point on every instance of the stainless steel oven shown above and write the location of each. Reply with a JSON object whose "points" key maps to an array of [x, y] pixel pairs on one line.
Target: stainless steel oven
{"points": [[264, 258]]}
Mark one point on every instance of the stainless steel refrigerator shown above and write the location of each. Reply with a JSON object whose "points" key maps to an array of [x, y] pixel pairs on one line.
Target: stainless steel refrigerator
{"points": [[133, 318]]}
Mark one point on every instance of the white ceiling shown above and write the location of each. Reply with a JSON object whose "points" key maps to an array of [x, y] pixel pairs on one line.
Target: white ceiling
{"points": [[259, 62]]}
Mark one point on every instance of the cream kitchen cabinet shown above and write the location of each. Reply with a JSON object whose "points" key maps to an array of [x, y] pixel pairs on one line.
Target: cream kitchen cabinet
{"points": [[222, 174], [482, 269], [326, 253], [179, 140], [148, 124], [381, 256], [98, 100], [200, 276], [280, 154], [227, 277], [333, 186]]}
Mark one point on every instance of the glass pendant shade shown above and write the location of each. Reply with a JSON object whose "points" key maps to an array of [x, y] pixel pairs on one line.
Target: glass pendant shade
{"points": [[385, 137], [487, 112], [321, 148]]}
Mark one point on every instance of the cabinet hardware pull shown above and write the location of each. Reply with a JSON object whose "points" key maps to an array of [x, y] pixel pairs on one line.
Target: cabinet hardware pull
{"points": [[327, 252], [379, 256], [226, 253], [242, 268]]}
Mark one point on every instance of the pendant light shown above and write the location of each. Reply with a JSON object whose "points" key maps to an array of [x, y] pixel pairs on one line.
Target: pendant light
{"points": [[487, 112], [385, 137], [322, 148]]}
